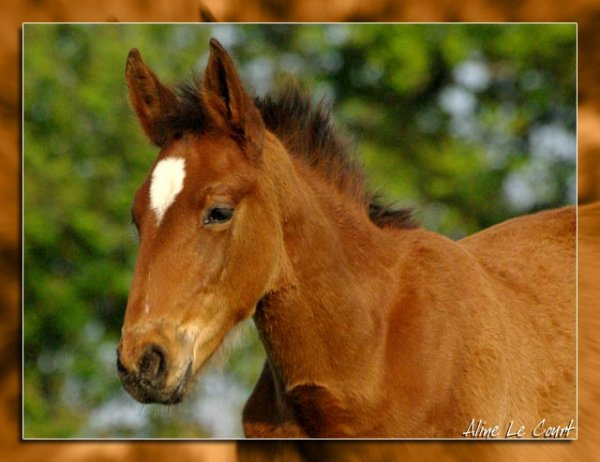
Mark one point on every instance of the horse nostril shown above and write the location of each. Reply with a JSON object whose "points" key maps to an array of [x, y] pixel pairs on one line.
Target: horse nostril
{"points": [[153, 364]]}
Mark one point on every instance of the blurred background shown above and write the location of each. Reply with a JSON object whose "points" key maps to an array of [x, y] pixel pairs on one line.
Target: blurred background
{"points": [[468, 124]]}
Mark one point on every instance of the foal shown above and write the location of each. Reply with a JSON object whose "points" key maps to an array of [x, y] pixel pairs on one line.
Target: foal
{"points": [[372, 327]]}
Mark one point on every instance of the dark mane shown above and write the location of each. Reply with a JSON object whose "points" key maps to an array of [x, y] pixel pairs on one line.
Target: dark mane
{"points": [[307, 132]]}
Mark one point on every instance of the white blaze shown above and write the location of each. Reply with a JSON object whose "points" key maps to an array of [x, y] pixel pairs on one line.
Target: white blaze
{"points": [[167, 182]]}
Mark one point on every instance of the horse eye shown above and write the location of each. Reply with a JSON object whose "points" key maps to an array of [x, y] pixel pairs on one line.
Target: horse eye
{"points": [[218, 214]]}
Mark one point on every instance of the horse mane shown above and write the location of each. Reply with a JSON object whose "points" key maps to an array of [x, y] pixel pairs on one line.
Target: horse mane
{"points": [[307, 132]]}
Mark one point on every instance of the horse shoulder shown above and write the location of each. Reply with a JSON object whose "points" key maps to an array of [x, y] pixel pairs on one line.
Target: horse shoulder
{"points": [[530, 262], [435, 348], [462, 310]]}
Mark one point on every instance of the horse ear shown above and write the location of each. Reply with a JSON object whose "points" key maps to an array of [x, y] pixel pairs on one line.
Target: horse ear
{"points": [[228, 104], [153, 102]]}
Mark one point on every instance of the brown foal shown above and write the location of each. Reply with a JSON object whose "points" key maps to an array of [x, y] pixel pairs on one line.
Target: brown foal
{"points": [[373, 327]]}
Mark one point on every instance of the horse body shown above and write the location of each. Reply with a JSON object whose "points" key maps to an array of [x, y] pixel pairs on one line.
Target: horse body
{"points": [[372, 327], [414, 334]]}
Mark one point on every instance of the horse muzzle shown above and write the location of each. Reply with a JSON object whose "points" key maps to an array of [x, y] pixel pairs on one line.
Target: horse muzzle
{"points": [[146, 379]]}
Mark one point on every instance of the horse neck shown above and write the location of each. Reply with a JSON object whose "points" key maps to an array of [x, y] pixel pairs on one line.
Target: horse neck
{"points": [[324, 321]]}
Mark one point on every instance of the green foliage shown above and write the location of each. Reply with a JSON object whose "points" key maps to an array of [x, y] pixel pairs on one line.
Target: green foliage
{"points": [[470, 124]]}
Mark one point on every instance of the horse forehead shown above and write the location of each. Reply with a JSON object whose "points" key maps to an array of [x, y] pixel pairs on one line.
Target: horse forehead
{"points": [[203, 160], [166, 183]]}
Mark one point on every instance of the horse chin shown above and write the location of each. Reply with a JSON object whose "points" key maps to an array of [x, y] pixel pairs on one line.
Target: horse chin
{"points": [[148, 393]]}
